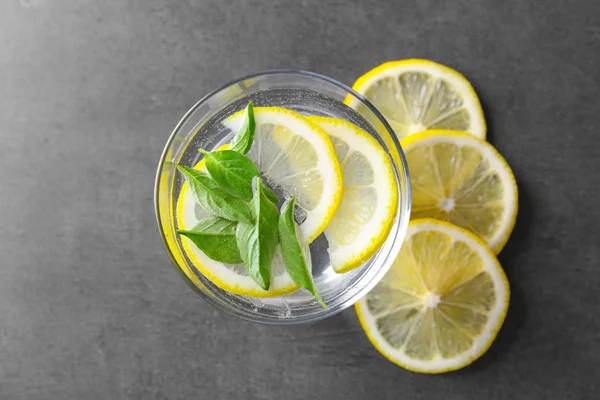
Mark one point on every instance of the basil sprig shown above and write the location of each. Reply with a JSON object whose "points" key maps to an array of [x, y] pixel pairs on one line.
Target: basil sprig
{"points": [[245, 224]]}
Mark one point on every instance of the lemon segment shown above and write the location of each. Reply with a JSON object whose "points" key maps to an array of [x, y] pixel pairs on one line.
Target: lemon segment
{"points": [[296, 158], [370, 197], [415, 95], [458, 178], [441, 304], [232, 278]]}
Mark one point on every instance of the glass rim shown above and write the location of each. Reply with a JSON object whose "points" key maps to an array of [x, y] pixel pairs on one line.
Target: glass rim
{"points": [[405, 194]]}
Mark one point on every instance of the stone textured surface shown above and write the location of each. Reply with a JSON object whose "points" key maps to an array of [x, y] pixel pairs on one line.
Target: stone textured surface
{"points": [[89, 90]]}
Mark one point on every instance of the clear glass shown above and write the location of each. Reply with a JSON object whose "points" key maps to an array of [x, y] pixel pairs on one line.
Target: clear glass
{"points": [[309, 94]]}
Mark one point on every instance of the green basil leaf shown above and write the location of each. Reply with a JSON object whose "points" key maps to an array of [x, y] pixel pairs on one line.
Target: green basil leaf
{"points": [[244, 138], [215, 236], [257, 241], [214, 199], [271, 195], [296, 255], [234, 172]]}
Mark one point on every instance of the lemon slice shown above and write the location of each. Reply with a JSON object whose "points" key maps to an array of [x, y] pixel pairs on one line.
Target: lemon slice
{"points": [[296, 158], [441, 304], [232, 278], [415, 95], [366, 213], [458, 178]]}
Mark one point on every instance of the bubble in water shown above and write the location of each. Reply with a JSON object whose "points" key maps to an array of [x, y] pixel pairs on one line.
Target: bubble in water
{"points": [[299, 215], [287, 311], [256, 302]]}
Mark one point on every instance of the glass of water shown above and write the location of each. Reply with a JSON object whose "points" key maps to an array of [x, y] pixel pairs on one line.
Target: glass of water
{"points": [[308, 94]]}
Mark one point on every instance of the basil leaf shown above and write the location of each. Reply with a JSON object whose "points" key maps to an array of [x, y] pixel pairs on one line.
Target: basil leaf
{"points": [[244, 138], [257, 241], [233, 172], [271, 195], [215, 236], [214, 199], [296, 256]]}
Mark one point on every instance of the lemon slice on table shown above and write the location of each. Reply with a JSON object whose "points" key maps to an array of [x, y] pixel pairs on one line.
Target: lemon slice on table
{"points": [[416, 94], [296, 158], [441, 304], [232, 278], [368, 207], [458, 178]]}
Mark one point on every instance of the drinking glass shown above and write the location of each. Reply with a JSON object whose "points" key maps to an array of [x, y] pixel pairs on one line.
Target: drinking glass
{"points": [[201, 127]]}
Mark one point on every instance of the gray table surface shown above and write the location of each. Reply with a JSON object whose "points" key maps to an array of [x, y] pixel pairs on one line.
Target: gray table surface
{"points": [[90, 307]]}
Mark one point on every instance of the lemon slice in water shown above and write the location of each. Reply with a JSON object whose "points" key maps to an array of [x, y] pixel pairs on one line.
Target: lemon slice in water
{"points": [[296, 158], [364, 218]]}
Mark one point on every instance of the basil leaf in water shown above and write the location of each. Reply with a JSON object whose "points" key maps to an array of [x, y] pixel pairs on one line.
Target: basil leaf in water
{"points": [[215, 236], [244, 138], [234, 172], [214, 199], [296, 254], [257, 241]]}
